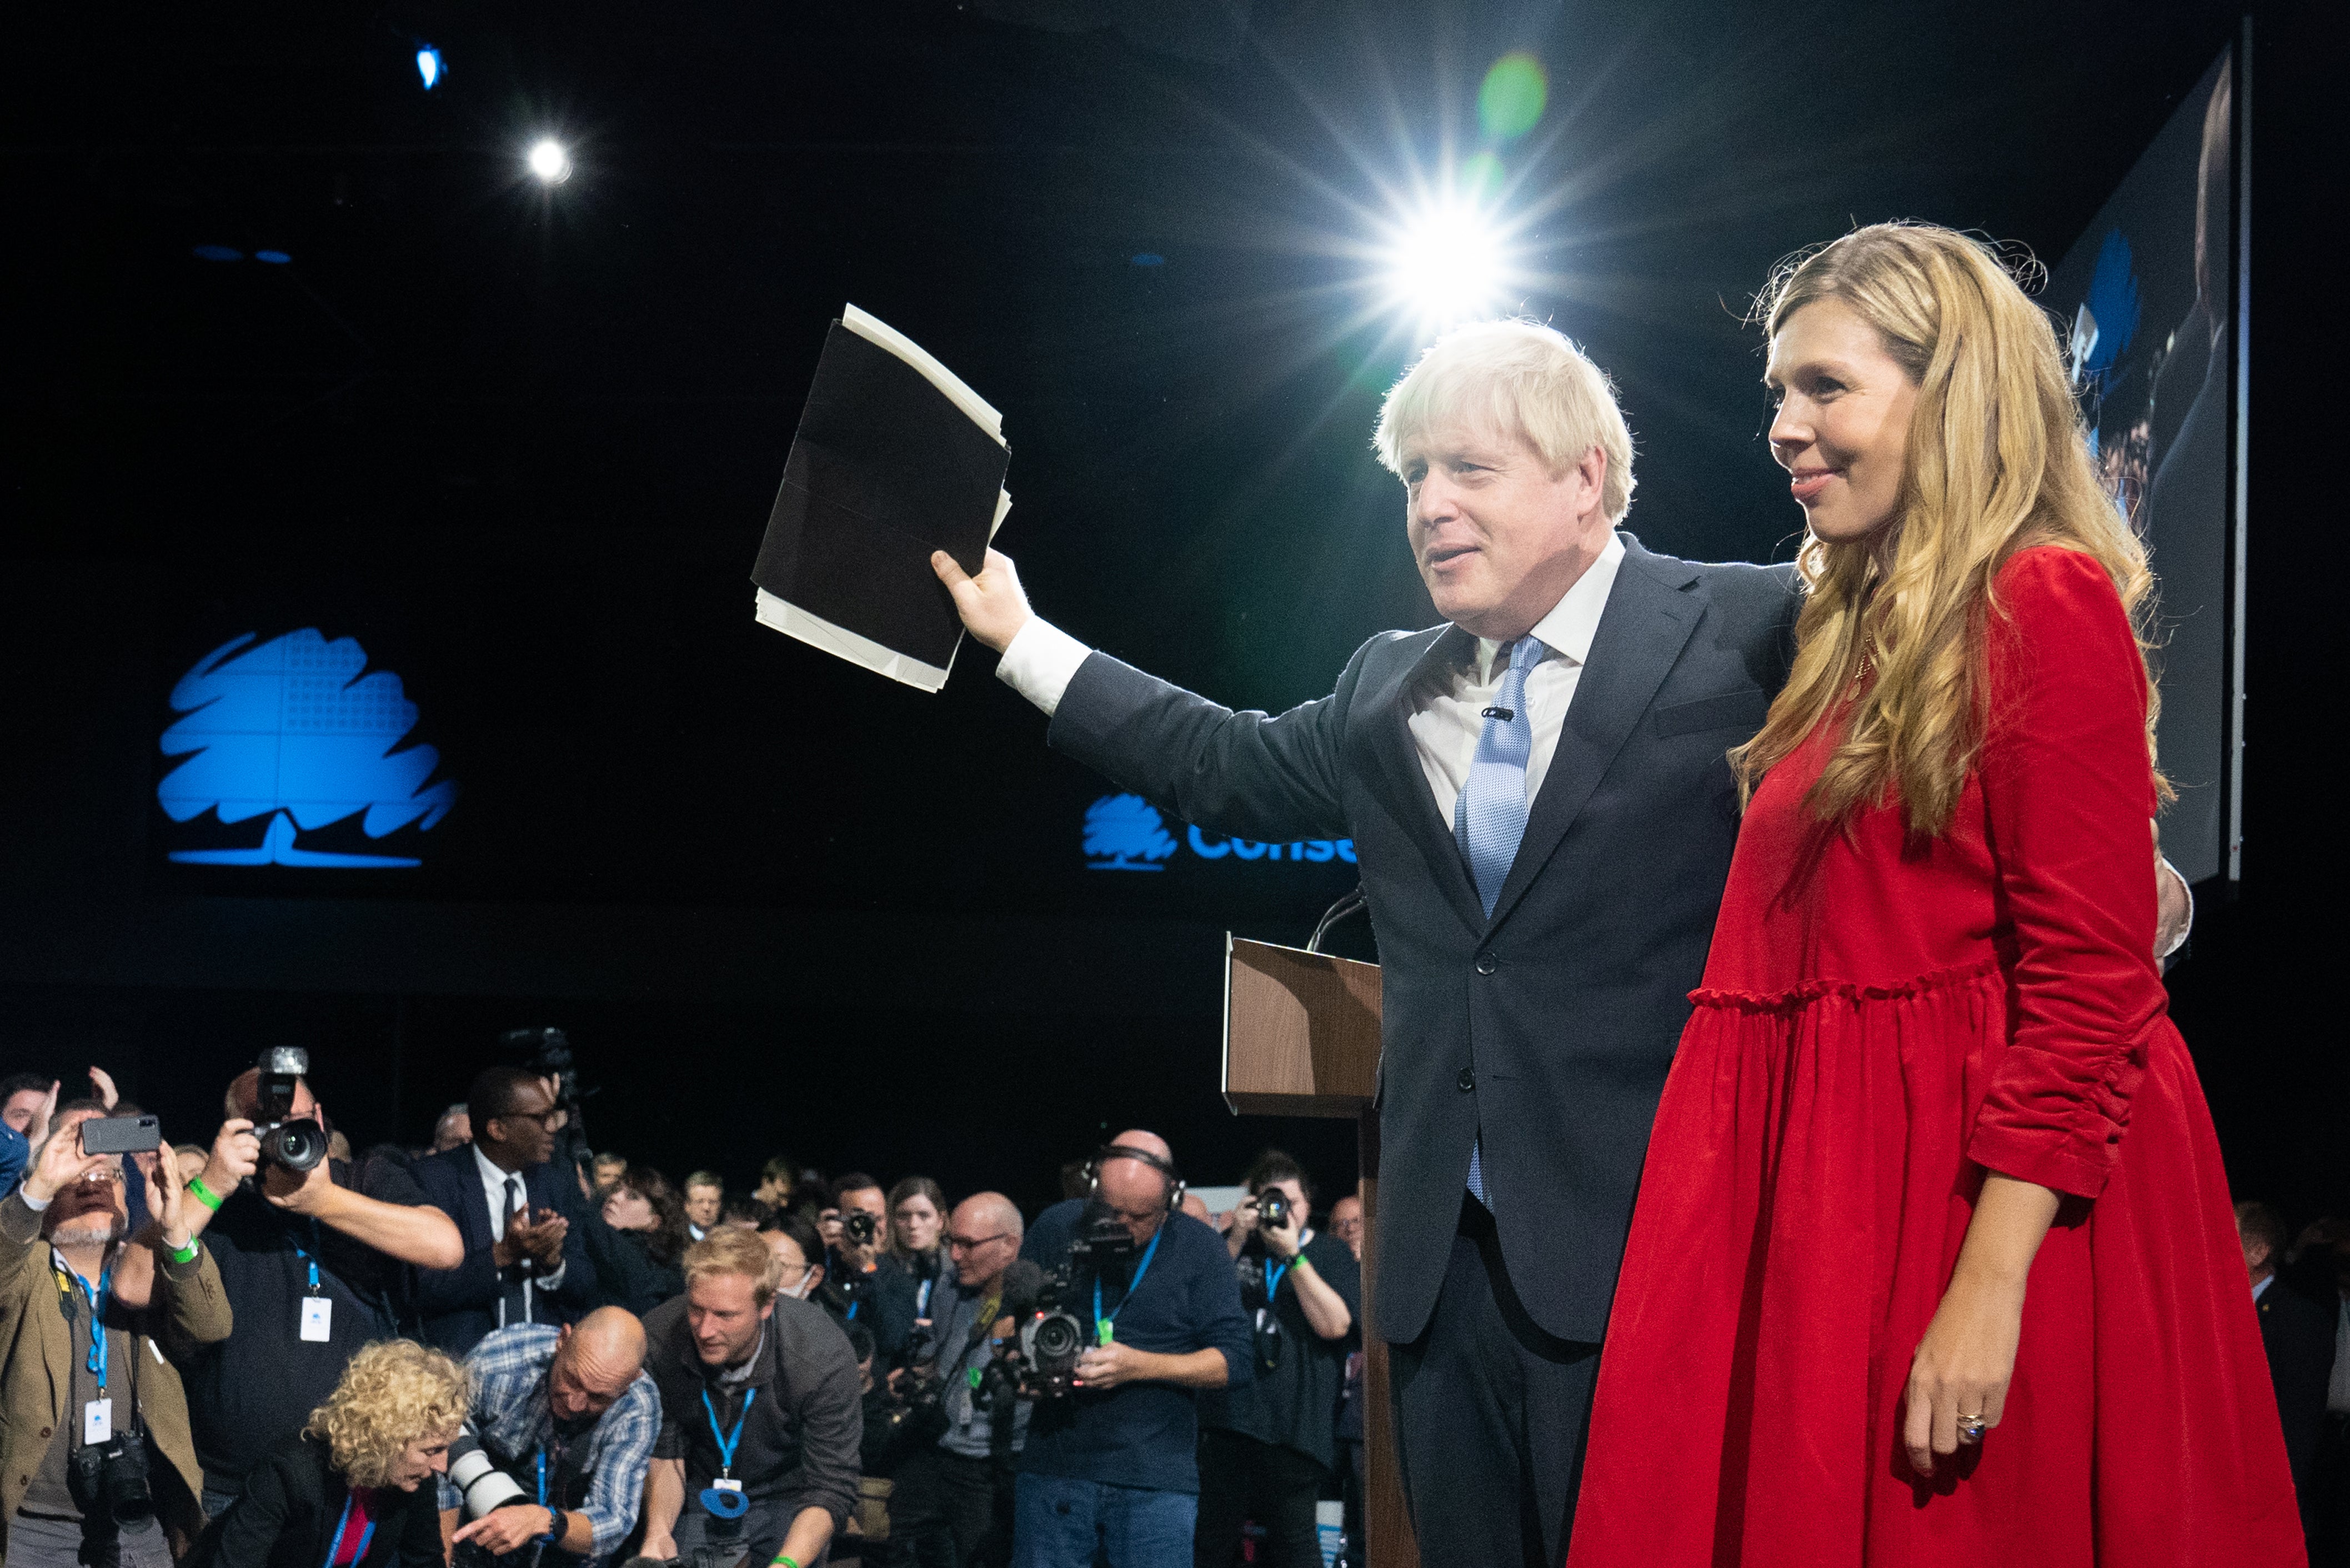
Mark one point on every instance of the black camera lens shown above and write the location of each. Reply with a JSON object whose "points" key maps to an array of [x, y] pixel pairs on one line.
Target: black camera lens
{"points": [[1273, 1208], [859, 1226], [296, 1146]]}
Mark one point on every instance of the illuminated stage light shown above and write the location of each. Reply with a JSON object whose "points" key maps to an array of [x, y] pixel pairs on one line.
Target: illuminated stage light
{"points": [[275, 258], [550, 163], [430, 67], [1446, 264], [219, 253]]}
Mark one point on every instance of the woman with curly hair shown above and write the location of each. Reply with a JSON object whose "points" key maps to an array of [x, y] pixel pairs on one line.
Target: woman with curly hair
{"points": [[635, 1240], [355, 1487], [1933, 1262]]}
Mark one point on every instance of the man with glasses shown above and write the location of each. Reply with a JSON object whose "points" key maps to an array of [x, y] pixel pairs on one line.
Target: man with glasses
{"points": [[962, 1487], [523, 1263], [1110, 1471]]}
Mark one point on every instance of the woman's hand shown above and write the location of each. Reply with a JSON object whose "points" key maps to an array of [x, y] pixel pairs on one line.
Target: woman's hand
{"points": [[1961, 1368]]}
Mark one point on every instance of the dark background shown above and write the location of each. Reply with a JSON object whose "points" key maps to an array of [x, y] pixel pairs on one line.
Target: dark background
{"points": [[522, 445]]}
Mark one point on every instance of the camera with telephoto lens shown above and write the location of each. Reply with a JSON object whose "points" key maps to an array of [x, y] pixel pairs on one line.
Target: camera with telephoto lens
{"points": [[859, 1226], [478, 1480], [293, 1143], [1052, 1334], [112, 1477]]}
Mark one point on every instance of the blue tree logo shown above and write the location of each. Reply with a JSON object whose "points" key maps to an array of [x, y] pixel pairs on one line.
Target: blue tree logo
{"points": [[290, 730], [1124, 833]]}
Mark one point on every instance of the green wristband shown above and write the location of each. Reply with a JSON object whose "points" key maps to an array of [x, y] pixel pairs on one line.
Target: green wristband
{"points": [[783, 1562], [204, 1194], [186, 1254]]}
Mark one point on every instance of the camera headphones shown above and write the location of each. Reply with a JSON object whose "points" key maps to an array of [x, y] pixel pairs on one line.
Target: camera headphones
{"points": [[1109, 1152]]}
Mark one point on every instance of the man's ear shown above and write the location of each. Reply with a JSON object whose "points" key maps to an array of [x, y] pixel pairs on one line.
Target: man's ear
{"points": [[816, 1279]]}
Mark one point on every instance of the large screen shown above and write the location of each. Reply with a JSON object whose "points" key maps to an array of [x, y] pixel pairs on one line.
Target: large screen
{"points": [[2154, 299]]}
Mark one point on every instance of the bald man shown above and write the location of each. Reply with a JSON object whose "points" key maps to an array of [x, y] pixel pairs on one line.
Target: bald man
{"points": [[1114, 1465], [962, 1486], [577, 1399]]}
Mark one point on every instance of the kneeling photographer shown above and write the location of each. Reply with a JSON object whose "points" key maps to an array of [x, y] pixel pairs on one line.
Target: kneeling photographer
{"points": [[1140, 1310], [1267, 1451], [95, 1460], [310, 1252], [354, 1489]]}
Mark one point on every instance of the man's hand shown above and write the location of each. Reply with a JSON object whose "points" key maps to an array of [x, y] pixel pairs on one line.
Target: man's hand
{"points": [[237, 1154], [660, 1548], [108, 1095], [1107, 1366], [510, 1529], [167, 1201], [297, 1192], [1281, 1240], [992, 604], [38, 1127], [59, 1163]]}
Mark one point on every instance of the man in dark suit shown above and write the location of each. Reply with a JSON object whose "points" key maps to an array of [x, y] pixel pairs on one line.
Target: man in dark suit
{"points": [[523, 1262], [2298, 1335], [1539, 799]]}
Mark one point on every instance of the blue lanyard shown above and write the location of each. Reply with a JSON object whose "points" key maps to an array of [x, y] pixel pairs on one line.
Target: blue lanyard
{"points": [[542, 1477], [726, 1445], [97, 1362], [305, 1257], [852, 1318], [1273, 1277], [1133, 1285], [335, 1547]]}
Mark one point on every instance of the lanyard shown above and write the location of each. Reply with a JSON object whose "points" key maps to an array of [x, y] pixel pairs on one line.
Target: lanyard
{"points": [[97, 1362], [1133, 1285], [335, 1547], [307, 1256], [726, 1445], [852, 1318], [1273, 1277]]}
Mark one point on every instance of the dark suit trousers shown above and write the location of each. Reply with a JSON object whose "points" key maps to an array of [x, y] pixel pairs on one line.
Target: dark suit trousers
{"points": [[1491, 1417]]}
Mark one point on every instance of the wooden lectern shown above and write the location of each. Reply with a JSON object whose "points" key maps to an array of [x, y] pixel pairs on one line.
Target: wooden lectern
{"points": [[1302, 1039]]}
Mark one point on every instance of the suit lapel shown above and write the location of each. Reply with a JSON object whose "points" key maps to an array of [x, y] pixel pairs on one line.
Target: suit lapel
{"points": [[1647, 621], [1388, 715]]}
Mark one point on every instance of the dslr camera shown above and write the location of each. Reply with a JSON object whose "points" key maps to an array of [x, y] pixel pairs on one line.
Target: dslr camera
{"points": [[293, 1142], [859, 1226], [111, 1479], [1273, 1208]]}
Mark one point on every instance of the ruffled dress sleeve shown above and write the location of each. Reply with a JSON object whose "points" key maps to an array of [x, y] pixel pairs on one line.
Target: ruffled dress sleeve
{"points": [[2068, 791]]}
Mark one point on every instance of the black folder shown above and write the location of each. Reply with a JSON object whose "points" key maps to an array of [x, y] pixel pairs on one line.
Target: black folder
{"points": [[894, 458]]}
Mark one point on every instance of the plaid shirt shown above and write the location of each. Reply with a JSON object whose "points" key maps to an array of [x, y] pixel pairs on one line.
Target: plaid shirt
{"points": [[510, 1415]]}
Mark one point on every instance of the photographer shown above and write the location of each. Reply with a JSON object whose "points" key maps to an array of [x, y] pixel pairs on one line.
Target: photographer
{"points": [[761, 1415], [1267, 1451], [970, 1465], [354, 1486], [1113, 1464], [523, 1260], [95, 1458], [310, 1259], [558, 1433], [878, 1292]]}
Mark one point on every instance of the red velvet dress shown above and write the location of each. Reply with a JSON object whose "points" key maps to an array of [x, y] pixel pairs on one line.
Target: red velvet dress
{"points": [[1882, 1022]]}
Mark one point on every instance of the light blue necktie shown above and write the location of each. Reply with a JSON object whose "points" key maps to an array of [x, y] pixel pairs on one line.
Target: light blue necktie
{"points": [[1489, 819]]}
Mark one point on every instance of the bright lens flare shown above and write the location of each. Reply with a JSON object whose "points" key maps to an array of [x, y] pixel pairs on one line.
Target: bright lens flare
{"points": [[550, 163], [1447, 265]]}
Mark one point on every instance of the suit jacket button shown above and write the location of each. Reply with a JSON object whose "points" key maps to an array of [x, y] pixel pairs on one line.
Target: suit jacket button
{"points": [[1487, 964], [1468, 1080]]}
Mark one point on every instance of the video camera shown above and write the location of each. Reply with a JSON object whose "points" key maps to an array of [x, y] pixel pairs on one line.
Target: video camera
{"points": [[293, 1143], [1052, 1335]]}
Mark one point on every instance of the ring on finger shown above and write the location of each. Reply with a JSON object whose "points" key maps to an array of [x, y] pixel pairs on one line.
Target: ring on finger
{"points": [[1971, 1428]]}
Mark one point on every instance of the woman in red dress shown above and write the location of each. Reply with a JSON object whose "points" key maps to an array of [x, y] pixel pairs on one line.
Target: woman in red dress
{"points": [[1933, 1262]]}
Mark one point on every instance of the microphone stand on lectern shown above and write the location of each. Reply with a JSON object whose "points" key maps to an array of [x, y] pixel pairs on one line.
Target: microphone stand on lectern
{"points": [[1302, 1039]]}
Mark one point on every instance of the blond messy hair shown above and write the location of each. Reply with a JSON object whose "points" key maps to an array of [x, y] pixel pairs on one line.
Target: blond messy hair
{"points": [[1513, 376], [732, 1250], [1998, 462], [394, 1393]]}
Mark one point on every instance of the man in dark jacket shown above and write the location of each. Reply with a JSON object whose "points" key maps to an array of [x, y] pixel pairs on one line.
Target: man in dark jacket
{"points": [[2298, 1335], [524, 1260]]}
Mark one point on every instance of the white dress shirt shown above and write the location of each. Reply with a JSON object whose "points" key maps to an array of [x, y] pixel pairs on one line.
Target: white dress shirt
{"points": [[494, 1183], [1447, 700]]}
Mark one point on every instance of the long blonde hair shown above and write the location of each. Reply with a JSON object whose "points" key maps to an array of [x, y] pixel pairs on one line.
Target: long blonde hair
{"points": [[1997, 462]]}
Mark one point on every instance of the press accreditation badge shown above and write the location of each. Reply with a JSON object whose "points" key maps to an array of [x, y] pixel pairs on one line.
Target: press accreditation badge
{"points": [[318, 1319], [723, 1484], [97, 1422]]}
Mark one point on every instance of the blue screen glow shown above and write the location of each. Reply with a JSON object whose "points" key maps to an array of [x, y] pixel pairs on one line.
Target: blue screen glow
{"points": [[291, 730]]}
